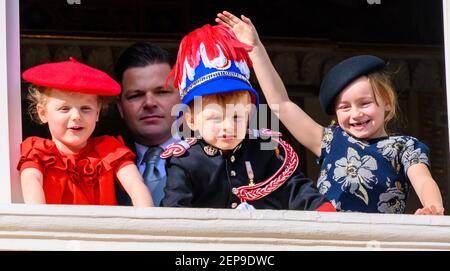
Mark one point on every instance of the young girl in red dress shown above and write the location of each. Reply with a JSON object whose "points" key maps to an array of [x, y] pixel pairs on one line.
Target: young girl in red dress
{"points": [[73, 168]]}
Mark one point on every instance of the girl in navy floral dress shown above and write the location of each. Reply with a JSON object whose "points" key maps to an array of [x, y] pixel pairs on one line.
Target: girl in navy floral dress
{"points": [[363, 169]]}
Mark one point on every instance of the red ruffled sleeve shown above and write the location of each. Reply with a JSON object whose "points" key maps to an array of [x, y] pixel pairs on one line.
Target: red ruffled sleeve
{"points": [[86, 177], [36, 152], [114, 153]]}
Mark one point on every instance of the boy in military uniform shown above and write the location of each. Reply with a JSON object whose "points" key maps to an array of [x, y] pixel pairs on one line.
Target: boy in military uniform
{"points": [[226, 166]]}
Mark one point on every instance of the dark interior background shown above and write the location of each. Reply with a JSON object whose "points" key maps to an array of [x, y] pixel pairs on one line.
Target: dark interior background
{"points": [[390, 21]]}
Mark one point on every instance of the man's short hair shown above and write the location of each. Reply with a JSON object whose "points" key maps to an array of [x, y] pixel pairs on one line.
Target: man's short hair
{"points": [[141, 54]]}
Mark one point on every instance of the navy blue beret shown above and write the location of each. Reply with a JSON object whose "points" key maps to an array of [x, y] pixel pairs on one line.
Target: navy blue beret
{"points": [[342, 75]]}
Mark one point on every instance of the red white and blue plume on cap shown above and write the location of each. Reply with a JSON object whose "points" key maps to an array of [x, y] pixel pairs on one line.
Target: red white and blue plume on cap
{"points": [[212, 60]]}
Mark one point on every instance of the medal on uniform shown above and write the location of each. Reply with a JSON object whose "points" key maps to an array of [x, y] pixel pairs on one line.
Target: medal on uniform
{"points": [[248, 167], [255, 191], [210, 150], [278, 155]]}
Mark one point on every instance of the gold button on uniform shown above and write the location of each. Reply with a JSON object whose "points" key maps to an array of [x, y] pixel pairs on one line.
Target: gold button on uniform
{"points": [[232, 159], [234, 205], [233, 173]]}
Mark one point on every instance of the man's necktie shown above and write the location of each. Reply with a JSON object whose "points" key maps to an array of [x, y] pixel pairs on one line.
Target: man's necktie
{"points": [[154, 179]]}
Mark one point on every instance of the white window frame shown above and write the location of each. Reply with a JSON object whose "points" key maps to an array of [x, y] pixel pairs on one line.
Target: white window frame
{"points": [[10, 101]]}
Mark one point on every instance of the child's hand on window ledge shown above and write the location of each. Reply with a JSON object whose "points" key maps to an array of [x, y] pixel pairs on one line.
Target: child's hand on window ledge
{"points": [[430, 210]]}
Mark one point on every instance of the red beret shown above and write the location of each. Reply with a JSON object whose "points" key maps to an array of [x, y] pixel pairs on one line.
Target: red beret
{"points": [[72, 76]]}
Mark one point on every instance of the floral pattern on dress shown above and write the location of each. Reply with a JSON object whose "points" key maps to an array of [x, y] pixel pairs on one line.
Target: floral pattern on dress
{"points": [[362, 169], [327, 138], [390, 149], [336, 205], [356, 141], [412, 155], [322, 183], [393, 201], [354, 173]]}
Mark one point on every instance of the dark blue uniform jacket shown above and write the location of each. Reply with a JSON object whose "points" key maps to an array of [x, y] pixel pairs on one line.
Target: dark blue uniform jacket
{"points": [[199, 178]]}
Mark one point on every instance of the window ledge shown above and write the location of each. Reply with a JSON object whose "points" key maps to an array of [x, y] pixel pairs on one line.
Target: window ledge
{"points": [[51, 227]]}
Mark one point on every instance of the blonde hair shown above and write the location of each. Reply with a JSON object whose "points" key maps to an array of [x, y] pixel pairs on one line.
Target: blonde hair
{"points": [[38, 95], [382, 87]]}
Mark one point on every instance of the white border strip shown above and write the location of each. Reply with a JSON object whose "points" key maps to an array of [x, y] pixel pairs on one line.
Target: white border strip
{"points": [[10, 101]]}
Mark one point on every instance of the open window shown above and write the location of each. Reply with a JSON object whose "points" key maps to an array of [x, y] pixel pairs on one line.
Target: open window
{"points": [[301, 63], [302, 48]]}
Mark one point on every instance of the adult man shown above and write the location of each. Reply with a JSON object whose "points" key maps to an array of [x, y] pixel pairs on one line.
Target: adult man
{"points": [[145, 106]]}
